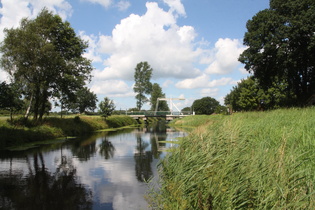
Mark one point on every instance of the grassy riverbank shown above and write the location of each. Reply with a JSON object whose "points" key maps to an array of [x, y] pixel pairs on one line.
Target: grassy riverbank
{"points": [[20, 131], [256, 160]]}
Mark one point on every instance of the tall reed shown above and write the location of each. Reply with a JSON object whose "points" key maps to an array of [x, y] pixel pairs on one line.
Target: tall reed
{"points": [[256, 160]]}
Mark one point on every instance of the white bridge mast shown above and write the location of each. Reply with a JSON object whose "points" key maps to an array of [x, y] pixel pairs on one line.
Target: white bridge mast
{"points": [[170, 101]]}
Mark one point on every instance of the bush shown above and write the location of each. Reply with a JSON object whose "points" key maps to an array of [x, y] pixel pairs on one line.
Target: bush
{"points": [[117, 121]]}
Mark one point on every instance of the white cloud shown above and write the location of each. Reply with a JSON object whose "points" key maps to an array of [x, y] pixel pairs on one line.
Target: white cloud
{"points": [[91, 53], [176, 6], [153, 37], [198, 82], [104, 3], [13, 11], [225, 56], [221, 82], [209, 92], [4, 76], [203, 81], [112, 88], [123, 5]]}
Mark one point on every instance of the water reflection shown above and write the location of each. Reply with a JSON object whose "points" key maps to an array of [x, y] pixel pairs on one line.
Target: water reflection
{"points": [[41, 189], [103, 171], [107, 149]]}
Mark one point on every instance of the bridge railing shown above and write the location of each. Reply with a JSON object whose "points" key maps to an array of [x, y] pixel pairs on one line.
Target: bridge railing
{"points": [[158, 113]]}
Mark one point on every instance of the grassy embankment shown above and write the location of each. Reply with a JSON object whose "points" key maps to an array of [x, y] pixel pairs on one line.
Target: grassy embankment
{"points": [[20, 131], [256, 160]]}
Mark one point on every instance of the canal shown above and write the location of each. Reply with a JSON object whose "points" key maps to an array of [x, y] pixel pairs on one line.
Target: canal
{"points": [[106, 170]]}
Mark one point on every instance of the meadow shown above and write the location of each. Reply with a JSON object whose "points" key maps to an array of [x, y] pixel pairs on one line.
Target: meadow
{"points": [[252, 160]]}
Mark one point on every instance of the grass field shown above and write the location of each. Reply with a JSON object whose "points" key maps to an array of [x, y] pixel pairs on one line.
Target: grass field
{"points": [[255, 160]]}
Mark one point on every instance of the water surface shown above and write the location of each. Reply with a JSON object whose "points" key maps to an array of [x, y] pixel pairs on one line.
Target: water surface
{"points": [[102, 171]]}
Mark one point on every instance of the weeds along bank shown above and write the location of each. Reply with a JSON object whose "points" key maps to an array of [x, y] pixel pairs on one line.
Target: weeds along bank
{"points": [[257, 160], [24, 131]]}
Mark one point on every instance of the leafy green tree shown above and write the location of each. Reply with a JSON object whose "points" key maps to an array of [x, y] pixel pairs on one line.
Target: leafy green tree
{"points": [[143, 86], [155, 94], [205, 105], [248, 95], [45, 56], [85, 100], [10, 98], [281, 47], [186, 109], [106, 107]]}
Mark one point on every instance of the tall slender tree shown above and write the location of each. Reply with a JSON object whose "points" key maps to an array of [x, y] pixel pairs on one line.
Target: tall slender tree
{"points": [[157, 93], [45, 55], [143, 86]]}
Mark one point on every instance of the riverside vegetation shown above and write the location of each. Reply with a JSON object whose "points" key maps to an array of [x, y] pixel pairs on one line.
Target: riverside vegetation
{"points": [[254, 160], [21, 131]]}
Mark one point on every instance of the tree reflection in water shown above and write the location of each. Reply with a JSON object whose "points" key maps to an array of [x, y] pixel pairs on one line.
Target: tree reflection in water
{"points": [[41, 189], [143, 160], [107, 149]]}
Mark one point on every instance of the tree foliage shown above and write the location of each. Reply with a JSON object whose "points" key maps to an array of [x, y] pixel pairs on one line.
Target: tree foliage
{"points": [[281, 46], [157, 93], [45, 56], [248, 95], [107, 107], [84, 100], [205, 105], [10, 98], [143, 86]]}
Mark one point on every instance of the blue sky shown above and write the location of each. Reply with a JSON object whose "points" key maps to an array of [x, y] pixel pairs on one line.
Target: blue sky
{"points": [[192, 45]]}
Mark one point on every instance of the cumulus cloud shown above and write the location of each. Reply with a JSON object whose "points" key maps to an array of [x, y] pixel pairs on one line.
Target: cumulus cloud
{"points": [[176, 6], [198, 82], [91, 53], [112, 88], [13, 11], [225, 56], [204, 81], [153, 37]]}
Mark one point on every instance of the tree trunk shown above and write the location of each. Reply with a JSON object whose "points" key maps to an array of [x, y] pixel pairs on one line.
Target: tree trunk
{"points": [[43, 105], [29, 107]]}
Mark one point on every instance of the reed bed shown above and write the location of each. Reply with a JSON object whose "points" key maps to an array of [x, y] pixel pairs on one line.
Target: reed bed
{"points": [[255, 160]]}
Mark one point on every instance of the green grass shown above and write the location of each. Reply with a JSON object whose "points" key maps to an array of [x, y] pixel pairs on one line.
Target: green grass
{"points": [[255, 160], [22, 131]]}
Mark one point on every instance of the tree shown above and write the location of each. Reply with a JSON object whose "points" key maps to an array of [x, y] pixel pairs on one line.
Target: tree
{"points": [[10, 98], [143, 86], [205, 105], [45, 56], [155, 94], [281, 47], [248, 95], [106, 107], [186, 109], [85, 100]]}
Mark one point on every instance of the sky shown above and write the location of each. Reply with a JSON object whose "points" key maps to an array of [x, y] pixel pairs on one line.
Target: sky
{"points": [[192, 45]]}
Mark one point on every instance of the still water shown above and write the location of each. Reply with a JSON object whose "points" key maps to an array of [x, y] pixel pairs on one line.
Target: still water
{"points": [[103, 171]]}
